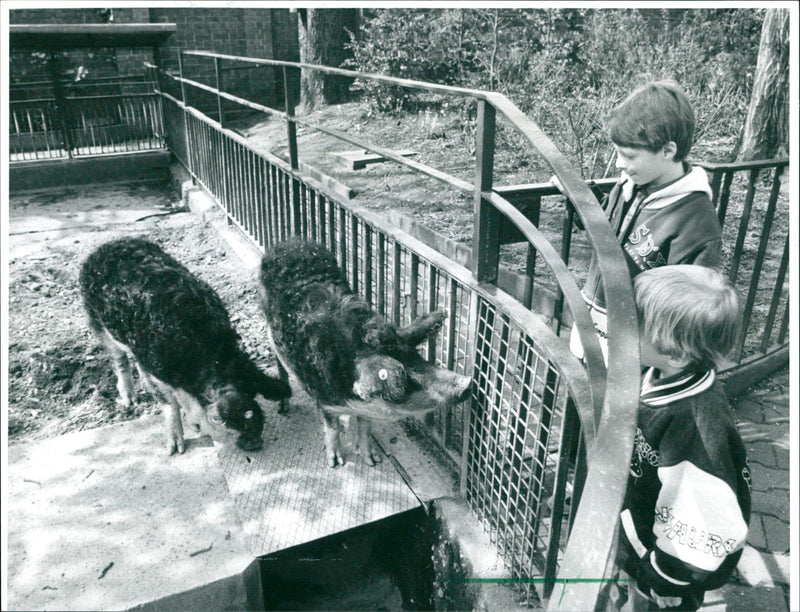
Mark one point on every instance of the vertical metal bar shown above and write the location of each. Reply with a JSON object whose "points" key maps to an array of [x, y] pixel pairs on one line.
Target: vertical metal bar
{"points": [[382, 273], [469, 416], [354, 252], [368, 264], [61, 102], [414, 290], [784, 323], [342, 246], [312, 214], [566, 244], [569, 432], [776, 296], [432, 305], [323, 227], [396, 269], [291, 128], [759, 261], [745, 220], [486, 241], [185, 113], [530, 261], [218, 75], [725, 195], [332, 225]]}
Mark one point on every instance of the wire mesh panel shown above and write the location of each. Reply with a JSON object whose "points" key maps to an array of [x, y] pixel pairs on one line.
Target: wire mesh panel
{"points": [[514, 449]]}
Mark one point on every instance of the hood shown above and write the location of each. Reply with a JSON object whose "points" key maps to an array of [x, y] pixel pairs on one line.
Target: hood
{"points": [[696, 180]]}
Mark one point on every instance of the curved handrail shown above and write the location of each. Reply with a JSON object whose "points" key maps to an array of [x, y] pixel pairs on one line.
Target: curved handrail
{"points": [[607, 476]]}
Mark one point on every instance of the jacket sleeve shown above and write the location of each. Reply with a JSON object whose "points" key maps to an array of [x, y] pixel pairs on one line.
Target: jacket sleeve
{"points": [[698, 525]]}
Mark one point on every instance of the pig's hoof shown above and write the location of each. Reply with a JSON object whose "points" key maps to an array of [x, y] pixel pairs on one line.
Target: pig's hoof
{"points": [[335, 457], [124, 402], [175, 445], [283, 406]]}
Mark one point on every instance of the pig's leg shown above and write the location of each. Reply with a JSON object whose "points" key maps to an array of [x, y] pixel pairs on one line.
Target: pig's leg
{"points": [[119, 361], [333, 447], [366, 446], [283, 403], [172, 417], [147, 381], [283, 374]]}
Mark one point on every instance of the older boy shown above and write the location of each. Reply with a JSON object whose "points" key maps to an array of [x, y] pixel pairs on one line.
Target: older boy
{"points": [[685, 516], [660, 209]]}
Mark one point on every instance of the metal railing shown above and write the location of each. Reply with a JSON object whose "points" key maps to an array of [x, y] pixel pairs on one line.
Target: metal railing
{"points": [[517, 444], [747, 197], [56, 120]]}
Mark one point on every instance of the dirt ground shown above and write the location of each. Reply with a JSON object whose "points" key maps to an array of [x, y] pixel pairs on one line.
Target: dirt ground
{"points": [[60, 379]]}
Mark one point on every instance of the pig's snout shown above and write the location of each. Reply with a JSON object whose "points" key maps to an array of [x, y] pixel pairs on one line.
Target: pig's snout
{"points": [[249, 442], [463, 387]]}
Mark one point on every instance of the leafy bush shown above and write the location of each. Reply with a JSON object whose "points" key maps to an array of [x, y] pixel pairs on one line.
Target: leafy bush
{"points": [[566, 68]]}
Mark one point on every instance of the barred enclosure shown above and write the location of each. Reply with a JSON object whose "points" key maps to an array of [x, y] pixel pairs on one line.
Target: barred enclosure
{"points": [[59, 119]]}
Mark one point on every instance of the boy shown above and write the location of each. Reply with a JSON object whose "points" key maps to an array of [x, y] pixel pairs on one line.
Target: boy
{"points": [[660, 210], [687, 507]]}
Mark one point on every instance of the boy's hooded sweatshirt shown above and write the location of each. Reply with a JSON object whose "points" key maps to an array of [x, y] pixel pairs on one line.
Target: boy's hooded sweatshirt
{"points": [[676, 224]]}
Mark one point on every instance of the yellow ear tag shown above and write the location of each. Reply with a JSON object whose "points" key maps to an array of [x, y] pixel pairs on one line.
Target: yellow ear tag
{"points": [[383, 374]]}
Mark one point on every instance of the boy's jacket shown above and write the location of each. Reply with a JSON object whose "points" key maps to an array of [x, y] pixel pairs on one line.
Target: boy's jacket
{"points": [[675, 224], [687, 506]]}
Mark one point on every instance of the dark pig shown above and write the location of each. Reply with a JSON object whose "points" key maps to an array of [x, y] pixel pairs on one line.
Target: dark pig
{"points": [[150, 311], [348, 358]]}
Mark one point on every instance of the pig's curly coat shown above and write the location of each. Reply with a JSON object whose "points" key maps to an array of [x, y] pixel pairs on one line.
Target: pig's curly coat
{"points": [[175, 325], [318, 323]]}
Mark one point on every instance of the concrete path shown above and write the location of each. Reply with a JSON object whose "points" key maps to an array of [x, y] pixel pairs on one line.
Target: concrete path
{"points": [[104, 520], [761, 580]]}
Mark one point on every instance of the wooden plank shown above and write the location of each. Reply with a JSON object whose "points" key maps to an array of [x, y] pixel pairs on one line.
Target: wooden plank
{"points": [[330, 183], [358, 160]]}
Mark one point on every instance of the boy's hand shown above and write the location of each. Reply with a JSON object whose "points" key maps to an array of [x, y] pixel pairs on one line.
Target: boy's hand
{"points": [[556, 183], [640, 599]]}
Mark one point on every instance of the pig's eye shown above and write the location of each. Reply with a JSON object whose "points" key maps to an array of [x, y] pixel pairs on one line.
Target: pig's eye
{"points": [[248, 414], [383, 374]]}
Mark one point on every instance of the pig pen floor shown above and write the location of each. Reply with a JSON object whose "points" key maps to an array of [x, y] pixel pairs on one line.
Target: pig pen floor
{"points": [[286, 495], [103, 519]]}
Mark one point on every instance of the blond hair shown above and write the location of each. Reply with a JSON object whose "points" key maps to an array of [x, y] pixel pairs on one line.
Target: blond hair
{"points": [[688, 312]]}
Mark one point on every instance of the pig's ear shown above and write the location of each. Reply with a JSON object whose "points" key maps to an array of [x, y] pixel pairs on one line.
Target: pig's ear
{"points": [[421, 329]]}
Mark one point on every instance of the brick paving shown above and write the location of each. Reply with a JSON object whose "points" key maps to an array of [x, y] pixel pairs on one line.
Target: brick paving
{"points": [[761, 581]]}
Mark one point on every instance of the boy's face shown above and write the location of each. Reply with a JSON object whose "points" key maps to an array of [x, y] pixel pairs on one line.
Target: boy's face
{"points": [[651, 357], [646, 167]]}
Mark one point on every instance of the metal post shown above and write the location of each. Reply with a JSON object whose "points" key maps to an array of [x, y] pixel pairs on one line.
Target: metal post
{"points": [[61, 102], [185, 118], [486, 239], [218, 74]]}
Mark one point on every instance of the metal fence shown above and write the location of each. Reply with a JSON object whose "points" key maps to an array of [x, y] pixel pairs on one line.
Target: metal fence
{"points": [[517, 443], [56, 120], [753, 211]]}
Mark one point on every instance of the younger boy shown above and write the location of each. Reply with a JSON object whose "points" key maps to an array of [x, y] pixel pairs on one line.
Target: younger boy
{"points": [[660, 210], [685, 515]]}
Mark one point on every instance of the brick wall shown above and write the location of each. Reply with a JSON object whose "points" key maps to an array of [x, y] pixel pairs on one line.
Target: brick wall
{"points": [[263, 33]]}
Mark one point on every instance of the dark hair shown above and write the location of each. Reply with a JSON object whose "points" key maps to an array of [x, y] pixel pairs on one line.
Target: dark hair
{"points": [[652, 116]]}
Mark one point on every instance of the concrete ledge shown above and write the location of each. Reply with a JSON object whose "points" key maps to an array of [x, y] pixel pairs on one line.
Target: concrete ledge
{"points": [[140, 166], [104, 520]]}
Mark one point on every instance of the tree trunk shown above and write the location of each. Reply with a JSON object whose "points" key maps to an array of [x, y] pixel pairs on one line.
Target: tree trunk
{"points": [[766, 130], [322, 37]]}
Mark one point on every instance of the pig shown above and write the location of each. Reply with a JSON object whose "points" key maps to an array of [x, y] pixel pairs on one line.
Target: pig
{"points": [[148, 310], [349, 359]]}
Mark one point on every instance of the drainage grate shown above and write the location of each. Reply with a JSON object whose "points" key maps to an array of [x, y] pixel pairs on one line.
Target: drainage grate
{"points": [[286, 494]]}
